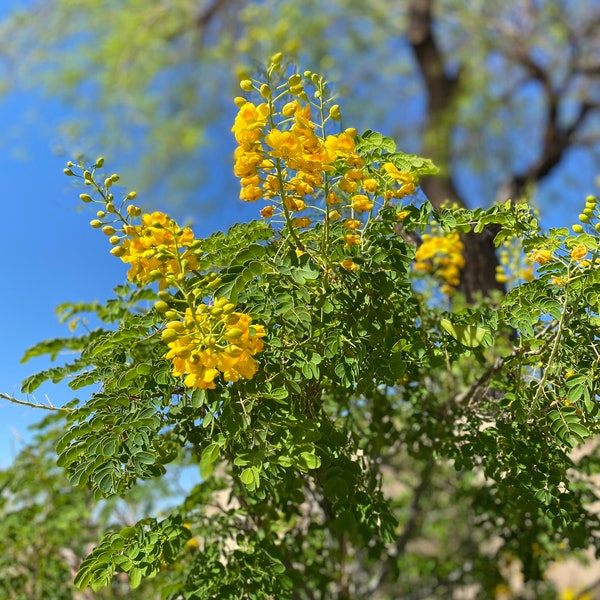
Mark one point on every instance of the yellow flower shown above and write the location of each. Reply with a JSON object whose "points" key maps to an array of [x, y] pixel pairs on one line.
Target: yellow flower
{"points": [[579, 252], [370, 185], [352, 224], [351, 239], [157, 249], [302, 222], [294, 204], [349, 265], [267, 212], [540, 256], [361, 203]]}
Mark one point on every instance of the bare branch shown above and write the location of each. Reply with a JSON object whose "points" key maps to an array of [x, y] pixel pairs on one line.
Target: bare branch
{"points": [[35, 404]]}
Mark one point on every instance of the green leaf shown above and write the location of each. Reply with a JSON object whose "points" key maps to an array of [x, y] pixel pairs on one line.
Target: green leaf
{"points": [[467, 335]]}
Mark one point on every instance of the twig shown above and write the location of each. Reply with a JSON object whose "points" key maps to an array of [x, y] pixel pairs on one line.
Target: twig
{"points": [[34, 404]]}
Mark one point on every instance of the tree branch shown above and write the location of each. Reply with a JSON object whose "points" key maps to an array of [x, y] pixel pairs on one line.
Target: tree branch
{"points": [[35, 404]]}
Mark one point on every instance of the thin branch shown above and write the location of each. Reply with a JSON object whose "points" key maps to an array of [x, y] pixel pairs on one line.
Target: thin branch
{"points": [[35, 404]]}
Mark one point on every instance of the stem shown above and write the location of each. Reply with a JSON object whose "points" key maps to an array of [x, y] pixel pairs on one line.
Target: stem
{"points": [[555, 345], [34, 404]]}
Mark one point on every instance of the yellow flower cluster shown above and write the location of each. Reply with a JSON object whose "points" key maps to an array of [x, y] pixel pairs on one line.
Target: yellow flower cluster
{"points": [[514, 266], [209, 341], [579, 252], [157, 249], [289, 160], [290, 164], [441, 255], [540, 256]]}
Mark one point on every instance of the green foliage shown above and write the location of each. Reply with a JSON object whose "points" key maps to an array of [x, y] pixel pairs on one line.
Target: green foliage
{"points": [[390, 440]]}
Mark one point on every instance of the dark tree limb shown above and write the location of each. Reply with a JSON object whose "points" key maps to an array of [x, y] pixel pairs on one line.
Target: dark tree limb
{"points": [[479, 274]]}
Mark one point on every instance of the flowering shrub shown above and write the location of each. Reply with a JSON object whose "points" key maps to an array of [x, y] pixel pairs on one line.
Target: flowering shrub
{"points": [[294, 361]]}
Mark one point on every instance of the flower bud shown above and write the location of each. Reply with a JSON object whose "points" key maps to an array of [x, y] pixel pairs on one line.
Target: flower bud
{"points": [[169, 335], [68, 172], [87, 175], [101, 214], [176, 326], [99, 162], [276, 58], [114, 240], [85, 198], [117, 251], [132, 210], [161, 306], [110, 207], [108, 230], [108, 182], [294, 79], [233, 334], [246, 85], [131, 195], [577, 228], [265, 90], [96, 224], [239, 101], [584, 218], [334, 112]]}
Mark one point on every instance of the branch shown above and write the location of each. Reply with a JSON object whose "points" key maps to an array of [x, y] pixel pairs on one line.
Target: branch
{"points": [[48, 406], [441, 90], [409, 527]]}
